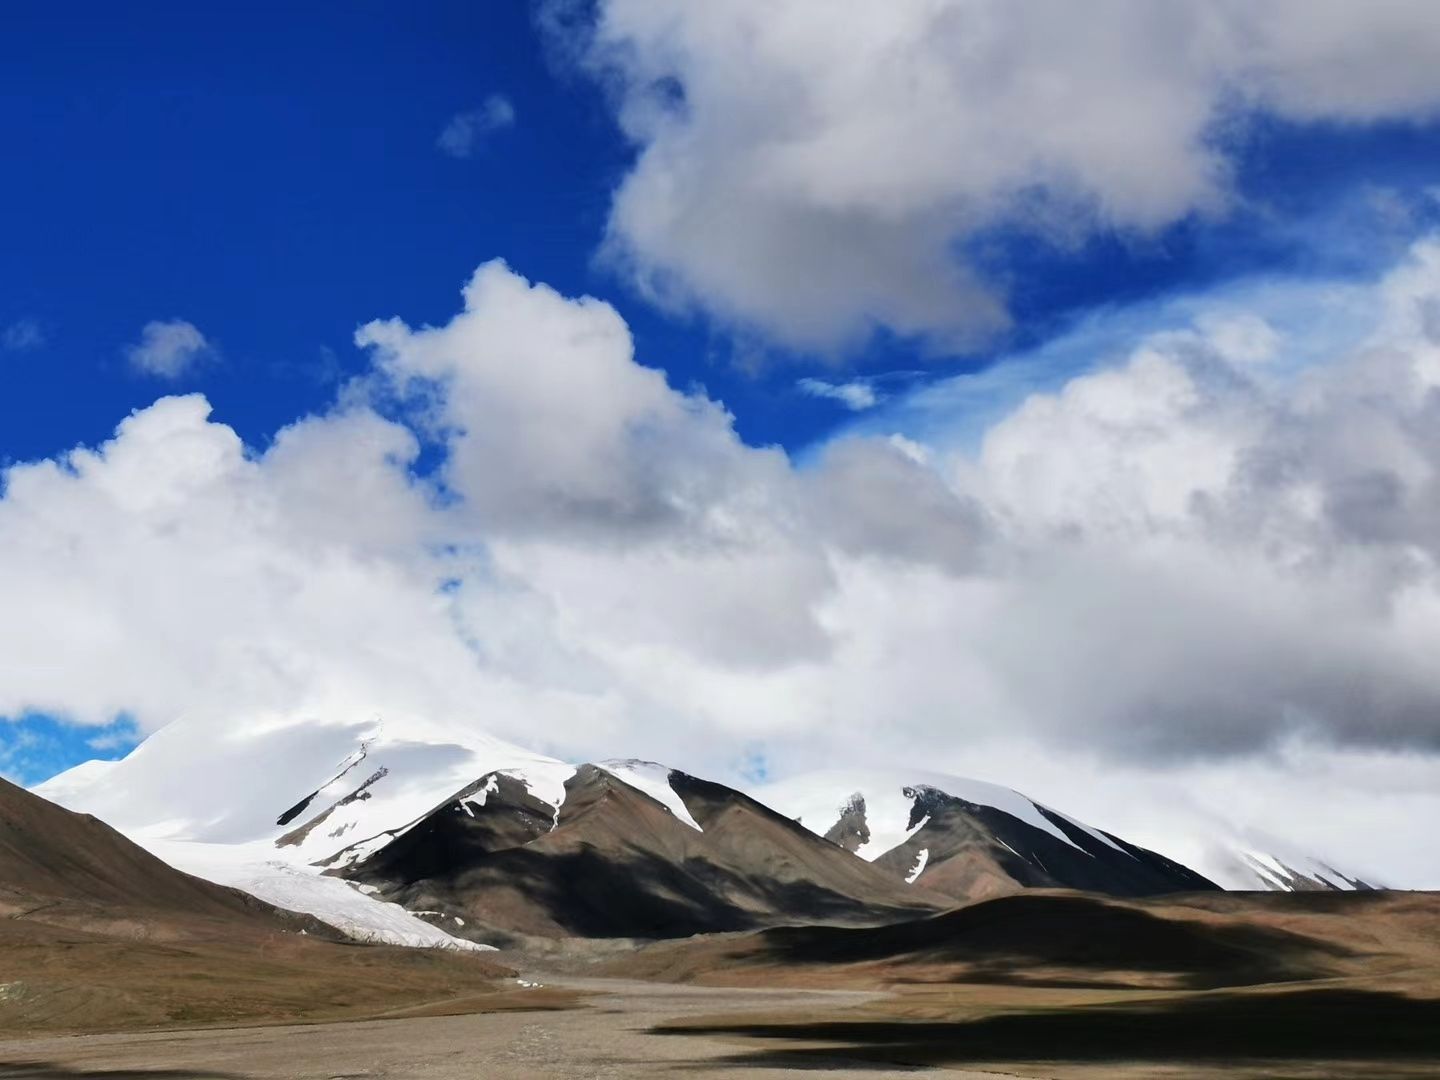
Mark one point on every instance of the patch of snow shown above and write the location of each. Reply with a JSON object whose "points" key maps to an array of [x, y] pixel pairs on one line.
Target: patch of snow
{"points": [[1007, 801], [75, 781], [544, 778], [360, 850], [1266, 873], [919, 867], [1276, 871], [480, 797], [301, 888], [184, 783], [818, 799], [1221, 849], [1095, 833], [653, 780], [815, 800]]}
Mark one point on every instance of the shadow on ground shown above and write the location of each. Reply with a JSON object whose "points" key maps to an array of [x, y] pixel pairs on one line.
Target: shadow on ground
{"points": [[1003, 939], [1307, 1025]]}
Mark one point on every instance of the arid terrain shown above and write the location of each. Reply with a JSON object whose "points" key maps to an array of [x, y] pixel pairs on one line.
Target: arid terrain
{"points": [[98, 935], [617, 1034], [1040, 985], [115, 964], [1068, 985]]}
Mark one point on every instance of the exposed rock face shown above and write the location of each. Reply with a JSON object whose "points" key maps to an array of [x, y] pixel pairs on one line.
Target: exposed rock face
{"points": [[1276, 874], [496, 813], [851, 831], [615, 862], [974, 852]]}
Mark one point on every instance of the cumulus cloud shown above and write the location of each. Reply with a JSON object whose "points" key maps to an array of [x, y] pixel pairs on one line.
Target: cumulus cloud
{"points": [[22, 336], [1198, 559], [465, 133], [168, 349], [813, 175], [856, 394]]}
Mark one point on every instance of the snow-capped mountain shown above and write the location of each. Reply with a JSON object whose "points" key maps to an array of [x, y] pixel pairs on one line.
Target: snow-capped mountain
{"points": [[632, 850], [259, 808], [478, 839], [916, 823], [309, 784], [971, 840], [1255, 862], [72, 870], [417, 832]]}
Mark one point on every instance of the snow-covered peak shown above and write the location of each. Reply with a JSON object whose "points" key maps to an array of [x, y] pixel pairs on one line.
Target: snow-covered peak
{"points": [[1262, 862], [311, 785], [817, 800], [653, 780], [77, 783], [260, 806]]}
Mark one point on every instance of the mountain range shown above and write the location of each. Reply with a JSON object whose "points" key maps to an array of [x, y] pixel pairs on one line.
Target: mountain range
{"points": [[411, 832], [99, 934]]}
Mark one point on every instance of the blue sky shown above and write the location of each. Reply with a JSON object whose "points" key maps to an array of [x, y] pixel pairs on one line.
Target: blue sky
{"points": [[273, 178], [271, 175]]}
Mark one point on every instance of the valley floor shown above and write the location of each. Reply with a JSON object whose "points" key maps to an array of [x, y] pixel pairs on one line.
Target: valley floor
{"points": [[627, 1028], [612, 1035], [1062, 986]]}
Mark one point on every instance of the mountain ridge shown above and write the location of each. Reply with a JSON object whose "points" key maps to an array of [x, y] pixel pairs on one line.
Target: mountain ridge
{"points": [[292, 811]]}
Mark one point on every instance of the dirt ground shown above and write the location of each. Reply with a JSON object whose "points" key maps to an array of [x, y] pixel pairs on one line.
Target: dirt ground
{"points": [[64, 979], [1064, 988], [611, 1036], [621, 1029], [1082, 988]]}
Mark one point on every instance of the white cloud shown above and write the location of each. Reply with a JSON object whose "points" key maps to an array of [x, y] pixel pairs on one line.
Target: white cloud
{"points": [[168, 349], [1190, 565], [465, 133], [22, 336], [810, 174], [856, 395]]}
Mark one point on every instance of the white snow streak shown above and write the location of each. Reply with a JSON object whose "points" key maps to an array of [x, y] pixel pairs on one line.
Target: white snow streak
{"points": [[651, 779], [346, 907], [815, 798]]}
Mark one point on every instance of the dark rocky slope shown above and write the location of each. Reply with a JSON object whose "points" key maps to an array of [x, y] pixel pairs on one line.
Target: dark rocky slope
{"points": [[614, 862], [973, 852]]}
